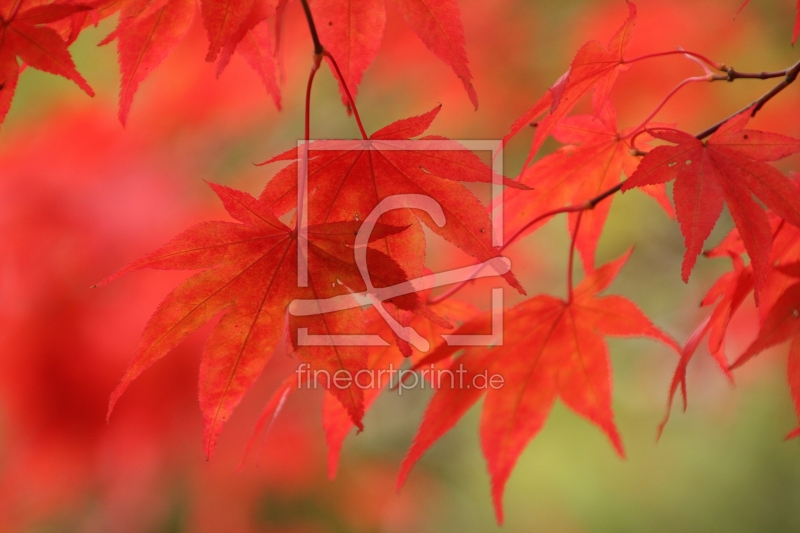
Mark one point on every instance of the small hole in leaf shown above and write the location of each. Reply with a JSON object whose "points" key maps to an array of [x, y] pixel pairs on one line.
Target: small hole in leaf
{"points": [[688, 161]]}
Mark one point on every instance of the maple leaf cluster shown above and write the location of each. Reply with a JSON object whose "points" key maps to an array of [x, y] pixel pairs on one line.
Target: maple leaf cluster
{"points": [[149, 30], [247, 273], [553, 348]]}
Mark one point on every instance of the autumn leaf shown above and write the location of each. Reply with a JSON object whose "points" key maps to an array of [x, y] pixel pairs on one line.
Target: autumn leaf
{"points": [[383, 364], [250, 278], [594, 161], [382, 370], [551, 348], [352, 31], [252, 37], [595, 67], [346, 184], [781, 323], [257, 49], [145, 36], [223, 20], [24, 33], [730, 167], [728, 293], [148, 31], [785, 251]]}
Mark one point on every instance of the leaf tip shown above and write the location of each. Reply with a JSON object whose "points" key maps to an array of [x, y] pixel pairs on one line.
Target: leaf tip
{"points": [[497, 501]]}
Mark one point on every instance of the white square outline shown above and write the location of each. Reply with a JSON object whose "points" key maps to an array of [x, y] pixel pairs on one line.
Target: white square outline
{"points": [[311, 307]]}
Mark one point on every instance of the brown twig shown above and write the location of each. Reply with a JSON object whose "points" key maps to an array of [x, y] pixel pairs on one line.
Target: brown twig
{"points": [[789, 77], [318, 48]]}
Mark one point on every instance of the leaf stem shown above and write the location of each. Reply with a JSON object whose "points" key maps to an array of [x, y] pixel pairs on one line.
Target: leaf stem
{"points": [[571, 263], [687, 81], [314, 69], [713, 64], [349, 96], [583, 206], [318, 48], [731, 75], [303, 156]]}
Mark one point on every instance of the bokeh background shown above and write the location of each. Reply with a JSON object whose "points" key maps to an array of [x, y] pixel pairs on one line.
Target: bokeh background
{"points": [[80, 196]]}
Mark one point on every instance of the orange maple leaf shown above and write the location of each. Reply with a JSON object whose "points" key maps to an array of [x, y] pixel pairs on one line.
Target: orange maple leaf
{"points": [[551, 348], [249, 276]]}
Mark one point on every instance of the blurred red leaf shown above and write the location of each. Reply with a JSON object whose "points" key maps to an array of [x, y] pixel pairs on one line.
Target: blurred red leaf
{"points": [[595, 67], [352, 31], [144, 39], [23, 35]]}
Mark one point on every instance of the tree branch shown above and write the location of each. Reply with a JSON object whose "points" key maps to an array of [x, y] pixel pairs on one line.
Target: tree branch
{"points": [[790, 75]]}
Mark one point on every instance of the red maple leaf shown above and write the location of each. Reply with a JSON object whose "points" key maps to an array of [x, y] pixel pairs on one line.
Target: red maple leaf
{"points": [[347, 184], [592, 162], [595, 67], [730, 291], [382, 369], [250, 277], [729, 167], [552, 348], [149, 30], [24, 33], [383, 365], [780, 324], [146, 33], [352, 33]]}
